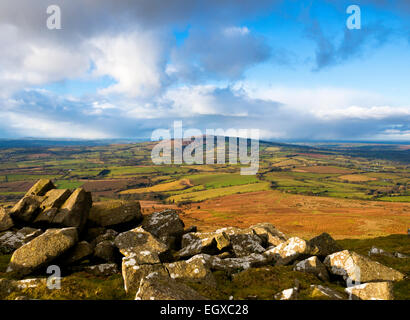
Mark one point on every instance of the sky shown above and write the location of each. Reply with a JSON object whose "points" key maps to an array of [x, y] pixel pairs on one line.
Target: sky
{"points": [[121, 69]]}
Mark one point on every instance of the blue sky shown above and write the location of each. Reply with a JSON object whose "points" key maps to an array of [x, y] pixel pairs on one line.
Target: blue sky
{"points": [[291, 69]]}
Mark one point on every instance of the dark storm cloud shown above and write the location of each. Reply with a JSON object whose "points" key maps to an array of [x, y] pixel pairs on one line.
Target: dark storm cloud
{"points": [[85, 17], [222, 53], [354, 43]]}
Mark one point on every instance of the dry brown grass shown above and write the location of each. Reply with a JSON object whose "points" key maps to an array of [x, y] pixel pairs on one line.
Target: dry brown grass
{"points": [[323, 169], [356, 178], [148, 207], [299, 215], [163, 187]]}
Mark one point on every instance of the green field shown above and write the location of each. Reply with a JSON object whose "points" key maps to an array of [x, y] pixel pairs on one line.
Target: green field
{"points": [[287, 168]]}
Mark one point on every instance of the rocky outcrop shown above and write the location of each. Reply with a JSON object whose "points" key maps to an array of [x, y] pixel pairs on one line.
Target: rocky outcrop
{"points": [[289, 251], [156, 287], [374, 251], [355, 267], [115, 214], [161, 260], [42, 250], [371, 291], [26, 210]]}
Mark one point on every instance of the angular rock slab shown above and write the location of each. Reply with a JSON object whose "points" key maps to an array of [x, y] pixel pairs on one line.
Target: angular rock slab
{"points": [[235, 230], [54, 199], [323, 245], [371, 291], [400, 255], [154, 287], [5, 220], [132, 273], [203, 242], [232, 265], [358, 268], [195, 269], [75, 210], [164, 225], [288, 251], [137, 240], [42, 250], [115, 213], [313, 265], [287, 294], [78, 253], [374, 251], [40, 188], [27, 209], [246, 244], [11, 241], [270, 235], [107, 234], [322, 292], [105, 250]]}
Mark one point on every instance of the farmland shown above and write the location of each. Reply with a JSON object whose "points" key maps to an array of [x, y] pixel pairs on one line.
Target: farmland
{"points": [[299, 188]]}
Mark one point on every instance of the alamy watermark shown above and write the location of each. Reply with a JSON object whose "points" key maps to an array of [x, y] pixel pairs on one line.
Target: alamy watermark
{"points": [[54, 281], [54, 19], [188, 147], [354, 20]]}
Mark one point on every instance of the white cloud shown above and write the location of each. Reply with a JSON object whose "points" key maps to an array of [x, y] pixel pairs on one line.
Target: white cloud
{"points": [[42, 126], [134, 60], [195, 100], [32, 61], [330, 103], [357, 112]]}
